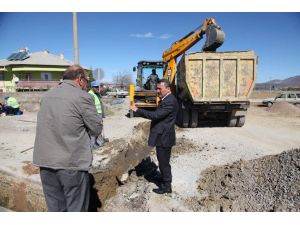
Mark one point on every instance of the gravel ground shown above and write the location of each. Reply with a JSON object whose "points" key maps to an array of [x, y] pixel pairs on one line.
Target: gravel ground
{"points": [[265, 133], [268, 184], [197, 150]]}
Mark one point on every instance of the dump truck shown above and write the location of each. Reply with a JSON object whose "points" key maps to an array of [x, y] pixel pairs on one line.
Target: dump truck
{"points": [[208, 84], [215, 86]]}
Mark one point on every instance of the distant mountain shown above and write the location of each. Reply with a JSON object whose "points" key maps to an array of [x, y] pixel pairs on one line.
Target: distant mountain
{"points": [[291, 82]]}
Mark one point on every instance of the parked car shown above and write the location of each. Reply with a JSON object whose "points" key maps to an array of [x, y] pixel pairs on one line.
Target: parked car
{"points": [[290, 97], [117, 93]]}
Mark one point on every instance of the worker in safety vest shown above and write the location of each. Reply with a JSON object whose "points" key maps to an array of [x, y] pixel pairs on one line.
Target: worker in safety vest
{"points": [[11, 106], [95, 93]]}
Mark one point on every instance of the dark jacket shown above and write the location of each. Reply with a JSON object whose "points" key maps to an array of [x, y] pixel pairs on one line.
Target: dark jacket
{"points": [[162, 131], [65, 122]]}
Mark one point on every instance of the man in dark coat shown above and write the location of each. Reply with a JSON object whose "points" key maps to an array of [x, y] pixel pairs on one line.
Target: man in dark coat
{"points": [[162, 131]]}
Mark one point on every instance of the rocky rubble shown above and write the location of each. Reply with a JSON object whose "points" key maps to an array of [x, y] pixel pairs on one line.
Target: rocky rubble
{"points": [[270, 183]]}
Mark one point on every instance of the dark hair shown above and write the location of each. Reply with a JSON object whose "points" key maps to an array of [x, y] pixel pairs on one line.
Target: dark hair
{"points": [[72, 72], [166, 82]]}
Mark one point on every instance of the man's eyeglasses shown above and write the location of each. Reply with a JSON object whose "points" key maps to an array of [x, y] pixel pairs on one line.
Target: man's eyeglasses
{"points": [[86, 80]]}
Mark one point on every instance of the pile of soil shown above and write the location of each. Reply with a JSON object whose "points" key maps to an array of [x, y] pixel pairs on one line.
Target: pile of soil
{"points": [[285, 108], [270, 183], [184, 145]]}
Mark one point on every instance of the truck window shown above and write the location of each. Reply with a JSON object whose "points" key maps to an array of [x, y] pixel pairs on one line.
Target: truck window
{"points": [[292, 96], [298, 95], [147, 72]]}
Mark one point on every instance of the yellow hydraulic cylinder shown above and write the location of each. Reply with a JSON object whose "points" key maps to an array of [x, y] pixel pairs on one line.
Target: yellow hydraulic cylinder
{"points": [[131, 94]]}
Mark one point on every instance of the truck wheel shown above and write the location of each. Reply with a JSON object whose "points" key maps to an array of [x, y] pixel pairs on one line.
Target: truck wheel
{"points": [[182, 119], [269, 104], [241, 121], [194, 118], [232, 122], [185, 118]]}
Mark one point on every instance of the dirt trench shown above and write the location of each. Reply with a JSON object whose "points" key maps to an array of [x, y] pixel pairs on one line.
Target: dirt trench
{"points": [[120, 156], [267, 184], [110, 169]]}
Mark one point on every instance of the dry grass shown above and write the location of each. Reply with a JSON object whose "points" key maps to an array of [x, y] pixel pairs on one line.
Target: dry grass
{"points": [[263, 94]]}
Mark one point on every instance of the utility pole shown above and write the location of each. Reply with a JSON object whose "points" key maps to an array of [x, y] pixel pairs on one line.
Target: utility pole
{"points": [[270, 84], [75, 34]]}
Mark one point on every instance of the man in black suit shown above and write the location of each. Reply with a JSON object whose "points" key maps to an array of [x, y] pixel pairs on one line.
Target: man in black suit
{"points": [[162, 131]]}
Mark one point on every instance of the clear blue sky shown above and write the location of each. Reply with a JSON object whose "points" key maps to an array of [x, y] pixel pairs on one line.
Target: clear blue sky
{"points": [[116, 41]]}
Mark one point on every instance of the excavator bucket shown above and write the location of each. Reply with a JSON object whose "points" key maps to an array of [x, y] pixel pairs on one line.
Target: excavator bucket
{"points": [[214, 38]]}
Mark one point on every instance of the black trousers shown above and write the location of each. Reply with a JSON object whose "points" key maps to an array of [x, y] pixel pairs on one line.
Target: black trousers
{"points": [[65, 190], [10, 110], [163, 156]]}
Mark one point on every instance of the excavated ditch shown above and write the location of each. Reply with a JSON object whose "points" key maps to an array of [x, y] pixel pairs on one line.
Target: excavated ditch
{"points": [[110, 169], [270, 183], [123, 176]]}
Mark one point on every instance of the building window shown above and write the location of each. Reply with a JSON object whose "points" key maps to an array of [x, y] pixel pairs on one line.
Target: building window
{"points": [[28, 76], [1, 76], [46, 76]]}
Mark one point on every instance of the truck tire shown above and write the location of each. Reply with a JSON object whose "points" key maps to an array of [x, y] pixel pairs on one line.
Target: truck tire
{"points": [[232, 121], [194, 118], [269, 104], [185, 118], [241, 121]]}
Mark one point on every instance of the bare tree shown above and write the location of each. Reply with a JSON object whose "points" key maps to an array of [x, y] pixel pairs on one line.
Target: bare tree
{"points": [[122, 79]]}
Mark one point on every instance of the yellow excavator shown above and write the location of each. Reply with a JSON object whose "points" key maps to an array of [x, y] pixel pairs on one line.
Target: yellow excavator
{"points": [[148, 98]]}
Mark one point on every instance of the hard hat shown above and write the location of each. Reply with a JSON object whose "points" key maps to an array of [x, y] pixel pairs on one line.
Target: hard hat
{"points": [[95, 83], [6, 97]]}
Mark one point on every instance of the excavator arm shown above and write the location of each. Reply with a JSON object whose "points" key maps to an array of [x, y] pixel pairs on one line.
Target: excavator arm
{"points": [[214, 39]]}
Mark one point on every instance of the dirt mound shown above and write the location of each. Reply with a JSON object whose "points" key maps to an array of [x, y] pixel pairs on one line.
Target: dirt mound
{"points": [[270, 183], [30, 169], [285, 108], [184, 145]]}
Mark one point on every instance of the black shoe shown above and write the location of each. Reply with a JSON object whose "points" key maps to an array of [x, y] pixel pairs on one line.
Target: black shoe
{"points": [[162, 190]]}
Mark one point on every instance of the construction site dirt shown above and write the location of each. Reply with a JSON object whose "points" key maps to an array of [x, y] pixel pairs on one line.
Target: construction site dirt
{"points": [[252, 168]]}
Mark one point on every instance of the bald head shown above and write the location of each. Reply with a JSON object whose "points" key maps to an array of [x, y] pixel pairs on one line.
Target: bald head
{"points": [[73, 72]]}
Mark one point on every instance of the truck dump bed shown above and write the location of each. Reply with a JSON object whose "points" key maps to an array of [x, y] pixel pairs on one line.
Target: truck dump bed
{"points": [[216, 76]]}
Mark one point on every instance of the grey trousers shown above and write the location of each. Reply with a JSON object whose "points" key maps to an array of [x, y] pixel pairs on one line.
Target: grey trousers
{"points": [[65, 190]]}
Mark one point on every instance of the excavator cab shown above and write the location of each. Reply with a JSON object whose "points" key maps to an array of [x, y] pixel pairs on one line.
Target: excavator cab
{"points": [[144, 69], [143, 97]]}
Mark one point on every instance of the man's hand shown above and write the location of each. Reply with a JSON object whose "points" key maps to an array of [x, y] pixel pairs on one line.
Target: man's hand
{"points": [[133, 107]]}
